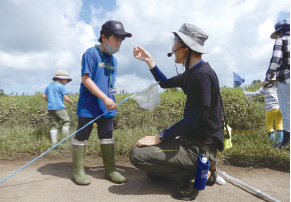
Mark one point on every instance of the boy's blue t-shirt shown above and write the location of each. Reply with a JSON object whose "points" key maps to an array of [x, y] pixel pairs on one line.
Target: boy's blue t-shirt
{"points": [[90, 105], [55, 92]]}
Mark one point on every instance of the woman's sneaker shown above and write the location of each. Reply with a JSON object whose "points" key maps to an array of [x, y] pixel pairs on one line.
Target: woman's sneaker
{"points": [[211, 179], [186, 193]]}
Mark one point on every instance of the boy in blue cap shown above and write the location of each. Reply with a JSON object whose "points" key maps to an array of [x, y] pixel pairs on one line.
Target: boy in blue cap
{"points": [[97, 90]]}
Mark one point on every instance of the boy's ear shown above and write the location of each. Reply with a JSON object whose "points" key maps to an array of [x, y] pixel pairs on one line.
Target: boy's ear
{"points": [[103, 38]]}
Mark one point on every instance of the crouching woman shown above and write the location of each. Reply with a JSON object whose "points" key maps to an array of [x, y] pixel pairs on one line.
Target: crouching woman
{"points": [[174, 152]]}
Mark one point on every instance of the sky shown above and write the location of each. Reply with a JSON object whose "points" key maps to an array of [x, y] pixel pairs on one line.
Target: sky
{"points": [[39, 37]]}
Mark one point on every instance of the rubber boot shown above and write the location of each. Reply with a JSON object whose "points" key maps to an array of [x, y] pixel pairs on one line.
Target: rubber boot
{"points": [[107, 151], [286, 139], [279, 137], [78, 155], [54, 135], [271, 136], [65, 130]]}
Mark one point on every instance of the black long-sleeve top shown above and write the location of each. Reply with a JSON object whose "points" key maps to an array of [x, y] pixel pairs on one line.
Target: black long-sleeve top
{"points": [[203, 109]]}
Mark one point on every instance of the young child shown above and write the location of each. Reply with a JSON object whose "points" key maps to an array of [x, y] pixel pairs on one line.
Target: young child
{"points": [[272, 110], [54, 94], [97, 90]]}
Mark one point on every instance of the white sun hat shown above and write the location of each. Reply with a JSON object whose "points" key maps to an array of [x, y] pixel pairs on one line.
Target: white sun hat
{"points": [[62, 74]]}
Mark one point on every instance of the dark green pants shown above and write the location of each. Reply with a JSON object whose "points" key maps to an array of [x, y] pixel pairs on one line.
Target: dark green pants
{"points": [[174, 158]]}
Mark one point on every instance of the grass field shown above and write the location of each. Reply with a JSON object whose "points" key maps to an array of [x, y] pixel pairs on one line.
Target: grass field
{"points": [[24, 127]]}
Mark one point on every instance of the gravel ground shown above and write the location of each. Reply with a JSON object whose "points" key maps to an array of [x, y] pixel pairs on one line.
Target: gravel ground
{"points": [[48, 179]]}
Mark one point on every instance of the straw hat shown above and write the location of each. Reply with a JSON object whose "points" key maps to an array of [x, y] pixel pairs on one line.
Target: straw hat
{"points": [[62, 74]]}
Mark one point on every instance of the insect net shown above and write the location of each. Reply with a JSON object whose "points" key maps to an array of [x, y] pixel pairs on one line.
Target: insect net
{"points": [[148, 98]]}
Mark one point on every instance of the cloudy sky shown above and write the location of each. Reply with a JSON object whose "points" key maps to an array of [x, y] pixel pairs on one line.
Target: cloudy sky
{"points": [[38, 37]]}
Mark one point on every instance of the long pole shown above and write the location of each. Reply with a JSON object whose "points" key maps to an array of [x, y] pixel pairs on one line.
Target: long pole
{"points": [[249, 187], [74, 133], [245, 94], [91, 122]]}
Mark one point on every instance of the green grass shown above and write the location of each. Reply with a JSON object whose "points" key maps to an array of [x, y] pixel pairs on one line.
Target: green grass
{"points": [[24, 127], [253, 148]]}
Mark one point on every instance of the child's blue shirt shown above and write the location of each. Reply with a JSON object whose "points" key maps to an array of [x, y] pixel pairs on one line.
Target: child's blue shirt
{"points": [[93, 64], [55, 92]]}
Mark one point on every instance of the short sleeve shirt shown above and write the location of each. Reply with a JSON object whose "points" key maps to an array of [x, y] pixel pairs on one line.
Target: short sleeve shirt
{"points": [[102, 71], [55, 92]]}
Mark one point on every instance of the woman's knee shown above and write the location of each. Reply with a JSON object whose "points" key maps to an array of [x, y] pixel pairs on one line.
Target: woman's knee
{"points": [[134, 157]]}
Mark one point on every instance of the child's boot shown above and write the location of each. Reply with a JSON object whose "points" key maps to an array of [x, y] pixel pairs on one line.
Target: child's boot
{"points": [[65, 130], [107, 151], [279, 138], [271, 136], [54, 135], [78, 156]]}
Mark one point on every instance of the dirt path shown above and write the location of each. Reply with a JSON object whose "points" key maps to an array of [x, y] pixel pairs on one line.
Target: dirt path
{"points": [[47, 180]]}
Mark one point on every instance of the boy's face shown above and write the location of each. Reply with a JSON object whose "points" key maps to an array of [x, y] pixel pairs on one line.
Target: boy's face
{"points": [[114, 40], [64, 81]]}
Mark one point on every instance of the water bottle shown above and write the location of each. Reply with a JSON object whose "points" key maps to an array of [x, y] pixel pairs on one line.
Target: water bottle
{"points": [[201, 173]]}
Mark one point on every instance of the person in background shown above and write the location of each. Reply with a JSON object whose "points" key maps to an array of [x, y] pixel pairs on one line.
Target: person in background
{"points": [[280, 65], [54, 94], [97, 90], [272, 111], [174, 152]]}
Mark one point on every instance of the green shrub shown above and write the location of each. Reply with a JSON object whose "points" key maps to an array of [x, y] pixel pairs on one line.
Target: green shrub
{"points": [[239, 114], [31, 111]]}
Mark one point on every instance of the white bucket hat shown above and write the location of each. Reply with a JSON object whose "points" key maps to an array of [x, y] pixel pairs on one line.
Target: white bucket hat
{"points": [[62, 74], [192, 36]]}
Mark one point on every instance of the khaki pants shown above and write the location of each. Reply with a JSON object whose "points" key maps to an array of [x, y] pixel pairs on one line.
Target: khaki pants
{"points": [[59, 118], [174, 158]]}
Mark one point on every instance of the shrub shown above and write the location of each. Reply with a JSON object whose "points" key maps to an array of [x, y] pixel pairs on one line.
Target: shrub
{"points": [[31, 111]]}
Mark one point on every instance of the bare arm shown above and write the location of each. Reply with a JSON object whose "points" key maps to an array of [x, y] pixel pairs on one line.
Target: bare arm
{"points": [[93, 88], [44, 97], [66, 97]]}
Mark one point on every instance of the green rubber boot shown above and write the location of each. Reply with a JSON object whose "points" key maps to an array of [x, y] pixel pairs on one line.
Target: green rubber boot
{"points": [[78, 155], [107, 151]]}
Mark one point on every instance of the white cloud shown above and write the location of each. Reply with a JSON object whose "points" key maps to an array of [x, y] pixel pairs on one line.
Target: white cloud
{"points": [[130, 82], [238, 33], [40, 36]]}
